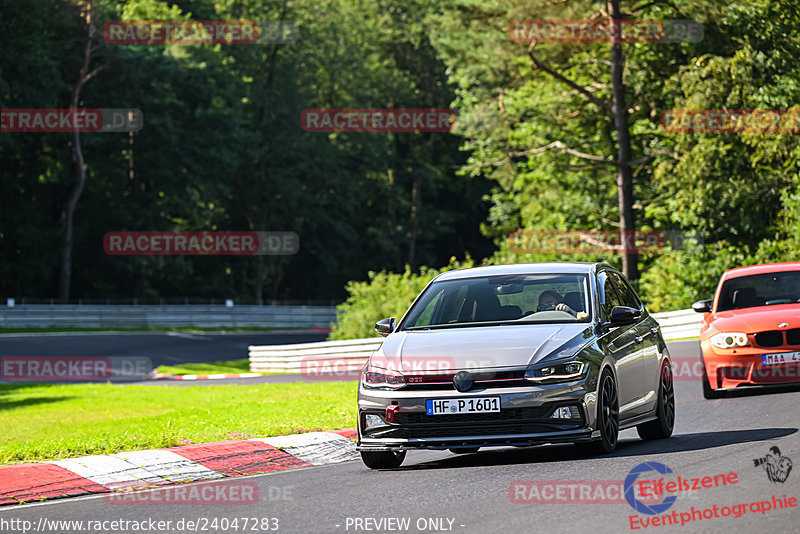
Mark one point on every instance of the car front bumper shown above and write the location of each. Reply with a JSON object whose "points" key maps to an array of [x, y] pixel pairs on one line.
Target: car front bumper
{"points": [[524, 418], [727, 369]]}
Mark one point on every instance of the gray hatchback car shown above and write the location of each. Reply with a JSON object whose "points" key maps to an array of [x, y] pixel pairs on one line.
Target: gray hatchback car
{"points": [[518, 355]]}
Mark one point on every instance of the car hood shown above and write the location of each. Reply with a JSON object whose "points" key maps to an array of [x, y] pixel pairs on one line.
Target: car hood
{"points": [[750, 320], [480, 347]]}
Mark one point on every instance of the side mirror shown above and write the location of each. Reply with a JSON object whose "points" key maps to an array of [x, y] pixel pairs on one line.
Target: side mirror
{"points": [[702, 306], [385, 326], [621, 315]]}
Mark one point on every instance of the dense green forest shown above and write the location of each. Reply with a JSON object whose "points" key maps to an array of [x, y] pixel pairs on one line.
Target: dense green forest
{"points": [[549, 136]]}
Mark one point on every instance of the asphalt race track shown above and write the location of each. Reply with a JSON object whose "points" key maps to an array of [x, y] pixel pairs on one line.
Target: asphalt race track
{"points": [[443, 492], [163, 348]]}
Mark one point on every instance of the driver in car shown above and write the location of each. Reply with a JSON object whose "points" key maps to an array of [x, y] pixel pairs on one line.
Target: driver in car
{"points": [[551, 300]]}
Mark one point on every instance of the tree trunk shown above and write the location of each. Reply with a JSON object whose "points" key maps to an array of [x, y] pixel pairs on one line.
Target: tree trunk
{"points": [[416, 202], [259, 283], [259, 221], [413, 223], [398, 253], [627, 222], [65, 274]]}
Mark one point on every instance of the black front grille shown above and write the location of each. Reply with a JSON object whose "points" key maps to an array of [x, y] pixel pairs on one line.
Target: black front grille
{"points": [[483, 379], [430, 387], [528, 420], [513, 414], [769, 338], [793, 336], [480, 384], [477, 430], [502, 384]]}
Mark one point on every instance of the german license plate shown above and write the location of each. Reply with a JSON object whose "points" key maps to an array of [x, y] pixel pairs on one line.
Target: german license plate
{"points": [[780, 358], [466, 405]]}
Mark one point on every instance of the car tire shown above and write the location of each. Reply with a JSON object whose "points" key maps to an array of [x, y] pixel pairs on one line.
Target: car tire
{"points": [[469, 450], [383, 459], [708, 391], [607, 418], [661, 427]]}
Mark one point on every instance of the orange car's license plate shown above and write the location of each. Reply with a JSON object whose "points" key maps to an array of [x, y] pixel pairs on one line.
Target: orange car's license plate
{"points": [[780, 358]]}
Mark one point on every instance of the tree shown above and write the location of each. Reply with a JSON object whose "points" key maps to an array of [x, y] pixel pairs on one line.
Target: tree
{"points": [[85, 74], [552, 151]]}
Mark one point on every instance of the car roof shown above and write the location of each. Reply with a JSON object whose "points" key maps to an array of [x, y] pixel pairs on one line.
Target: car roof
{"points": [[760, 269], [521, 268]]}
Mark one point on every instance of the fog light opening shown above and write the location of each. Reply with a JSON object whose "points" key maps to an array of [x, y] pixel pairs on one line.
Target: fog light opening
{"points": [[371, 421], [566, 412]]}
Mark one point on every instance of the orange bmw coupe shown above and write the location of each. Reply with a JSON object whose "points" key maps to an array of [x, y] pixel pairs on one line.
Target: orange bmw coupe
{"points": [[750, 334]]}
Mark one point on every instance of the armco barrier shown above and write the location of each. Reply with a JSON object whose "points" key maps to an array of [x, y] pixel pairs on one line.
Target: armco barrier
{"points": [[201, 316], [348, 355], [351, 354], [679, 324]]}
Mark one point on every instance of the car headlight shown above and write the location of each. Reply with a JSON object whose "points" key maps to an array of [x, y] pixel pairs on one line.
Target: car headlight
{"points": [[727, 340], [376, 378], [556, 373]]}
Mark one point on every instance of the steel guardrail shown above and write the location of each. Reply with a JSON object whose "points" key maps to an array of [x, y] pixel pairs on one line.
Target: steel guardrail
{"points": [[353, 353], [192, 315]]}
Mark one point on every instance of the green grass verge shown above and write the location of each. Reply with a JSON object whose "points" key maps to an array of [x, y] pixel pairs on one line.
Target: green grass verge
{"points": [[189, 329], [229, 367], [47, 421]]}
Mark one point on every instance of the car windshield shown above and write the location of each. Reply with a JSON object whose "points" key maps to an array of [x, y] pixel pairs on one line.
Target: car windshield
{"points": [[540, 298], [760, 290]]}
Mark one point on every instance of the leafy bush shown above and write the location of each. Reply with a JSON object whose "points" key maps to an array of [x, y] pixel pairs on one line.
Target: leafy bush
{"points": [[672, 281], [383, 295], [678, 278], [785, 246]]}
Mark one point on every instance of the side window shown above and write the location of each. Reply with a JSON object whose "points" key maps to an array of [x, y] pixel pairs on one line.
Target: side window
{"points": [[427, 314], [627, 294], [452, 306], [610, 297], [423, 316]]}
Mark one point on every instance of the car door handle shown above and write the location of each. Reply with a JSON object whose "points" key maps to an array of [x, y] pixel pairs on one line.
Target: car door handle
{"points": [[638, 339]]}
